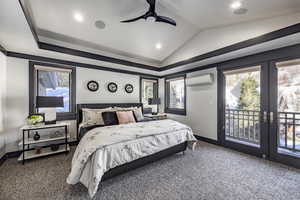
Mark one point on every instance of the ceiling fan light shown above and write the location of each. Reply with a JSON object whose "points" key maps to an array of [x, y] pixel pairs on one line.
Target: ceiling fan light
{"points": [[151, 19]]}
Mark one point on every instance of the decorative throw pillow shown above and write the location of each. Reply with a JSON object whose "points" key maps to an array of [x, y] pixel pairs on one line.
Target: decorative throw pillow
{"points": [[138, 114], [125, 117], [93, 116], [110, 118], [124, 108]]}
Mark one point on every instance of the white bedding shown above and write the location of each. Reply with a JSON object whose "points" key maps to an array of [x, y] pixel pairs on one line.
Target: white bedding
{"points": [[104, 148]]}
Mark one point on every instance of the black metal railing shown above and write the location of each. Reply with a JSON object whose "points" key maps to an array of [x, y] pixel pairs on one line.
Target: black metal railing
{"points": [[243, 125], [289, 131]]}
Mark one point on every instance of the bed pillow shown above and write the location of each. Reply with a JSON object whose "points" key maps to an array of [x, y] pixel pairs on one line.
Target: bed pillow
{"points": [[124, 108], [125, 117], [110, 118], [138, 114], [93, 116]]}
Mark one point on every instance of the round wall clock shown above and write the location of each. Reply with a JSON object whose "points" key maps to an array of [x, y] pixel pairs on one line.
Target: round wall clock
{"points": [[93, 86], [129, 88], [112, 87]]}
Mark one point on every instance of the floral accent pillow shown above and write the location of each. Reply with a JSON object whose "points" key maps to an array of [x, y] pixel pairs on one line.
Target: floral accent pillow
{"points": [[93, 116], [125, 117]]}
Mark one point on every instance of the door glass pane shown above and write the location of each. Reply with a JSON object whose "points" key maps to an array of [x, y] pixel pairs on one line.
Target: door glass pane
{"points": [[242, 114], [289, 106]]}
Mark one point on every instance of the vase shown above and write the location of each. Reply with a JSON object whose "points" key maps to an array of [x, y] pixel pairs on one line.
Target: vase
{"points": [[54, 147], [36, 136]]}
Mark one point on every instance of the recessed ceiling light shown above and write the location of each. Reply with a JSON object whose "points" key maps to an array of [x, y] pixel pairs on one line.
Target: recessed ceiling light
{"points": [[158, 46], [78, 17], [236, 5]]}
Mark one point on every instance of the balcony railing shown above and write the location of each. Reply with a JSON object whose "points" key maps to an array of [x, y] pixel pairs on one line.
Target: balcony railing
{"points": [[243, 126], [289, 131]]}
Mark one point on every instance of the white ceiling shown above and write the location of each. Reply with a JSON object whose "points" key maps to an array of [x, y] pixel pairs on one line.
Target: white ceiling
{"points": [[15, 36], [55, 21]]}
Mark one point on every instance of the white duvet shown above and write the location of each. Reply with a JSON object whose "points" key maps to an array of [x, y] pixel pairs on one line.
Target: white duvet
{"points": [[104, 148]]}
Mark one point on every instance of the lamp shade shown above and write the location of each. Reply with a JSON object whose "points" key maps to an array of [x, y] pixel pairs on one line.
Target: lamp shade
{"points": [[49, 102], [154, 101]]}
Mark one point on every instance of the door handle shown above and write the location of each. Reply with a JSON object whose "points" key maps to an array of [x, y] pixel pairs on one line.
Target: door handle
{"points": [[265, 119], [271, 117]]}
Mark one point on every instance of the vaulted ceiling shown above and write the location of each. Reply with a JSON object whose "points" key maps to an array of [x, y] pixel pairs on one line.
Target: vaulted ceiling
{"points": [[54, 22]]}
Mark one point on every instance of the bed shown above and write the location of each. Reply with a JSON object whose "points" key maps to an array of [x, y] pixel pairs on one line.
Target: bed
{"points": [[106, 151]]}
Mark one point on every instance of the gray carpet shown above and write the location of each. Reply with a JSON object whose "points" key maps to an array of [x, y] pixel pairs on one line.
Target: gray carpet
{"points": [[210, 172]]}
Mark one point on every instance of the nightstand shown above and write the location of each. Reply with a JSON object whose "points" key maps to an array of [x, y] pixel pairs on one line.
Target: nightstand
{"points": [[159, 116], [28, 141]]}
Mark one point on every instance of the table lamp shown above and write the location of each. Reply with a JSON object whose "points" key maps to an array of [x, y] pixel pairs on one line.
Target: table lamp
{"points": [[49, 105], [154, 101]]}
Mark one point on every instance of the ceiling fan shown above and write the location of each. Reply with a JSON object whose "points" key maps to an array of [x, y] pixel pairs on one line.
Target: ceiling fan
{"points": [[151, 16]]}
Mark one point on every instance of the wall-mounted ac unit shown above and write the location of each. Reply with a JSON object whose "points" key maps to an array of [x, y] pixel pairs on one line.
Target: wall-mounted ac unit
{"points": [[205, 79]]}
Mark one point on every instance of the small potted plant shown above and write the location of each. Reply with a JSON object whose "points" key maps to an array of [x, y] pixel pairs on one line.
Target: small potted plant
{"points": [[35, 119]]}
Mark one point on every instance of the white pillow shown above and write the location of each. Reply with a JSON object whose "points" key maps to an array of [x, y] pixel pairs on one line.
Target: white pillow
{"points": [[138, 114], [124, 108], [93, 116]]}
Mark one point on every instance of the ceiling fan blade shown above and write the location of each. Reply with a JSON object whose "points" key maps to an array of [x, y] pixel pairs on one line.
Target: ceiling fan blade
{"points": [[134, 19], [166, 20]]}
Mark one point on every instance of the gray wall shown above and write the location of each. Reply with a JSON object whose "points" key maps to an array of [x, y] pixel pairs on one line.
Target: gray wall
{"points": [[103, 95], [201, 106], [2, 103], [201, 100], [16, 100], [17, 95]]}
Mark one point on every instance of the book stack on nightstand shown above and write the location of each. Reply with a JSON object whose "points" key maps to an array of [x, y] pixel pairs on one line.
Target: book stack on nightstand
{"points": [[30, 140], [159, 116]]}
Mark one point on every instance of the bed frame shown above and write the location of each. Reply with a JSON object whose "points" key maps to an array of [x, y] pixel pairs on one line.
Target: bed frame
{"points": [[136, 163]]}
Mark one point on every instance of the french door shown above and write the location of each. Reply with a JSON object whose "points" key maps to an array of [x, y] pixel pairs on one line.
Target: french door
{"points": [[244, 108], [260, 110], [284, 131]]}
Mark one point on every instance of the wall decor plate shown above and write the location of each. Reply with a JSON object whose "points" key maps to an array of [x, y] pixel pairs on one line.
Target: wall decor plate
{"points": [[129, 88], [112, 87], [92, 86]]}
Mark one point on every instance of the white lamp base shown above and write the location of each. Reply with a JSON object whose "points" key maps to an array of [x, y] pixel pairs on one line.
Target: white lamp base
{"points": [[50, 115]]}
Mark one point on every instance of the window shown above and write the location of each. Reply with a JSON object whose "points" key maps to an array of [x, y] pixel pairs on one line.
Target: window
{"points": [[51, 80], [149, 89], [175, 95]]}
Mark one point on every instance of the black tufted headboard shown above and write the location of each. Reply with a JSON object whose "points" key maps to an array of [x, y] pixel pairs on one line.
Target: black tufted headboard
{"points": [[102, 105]]}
